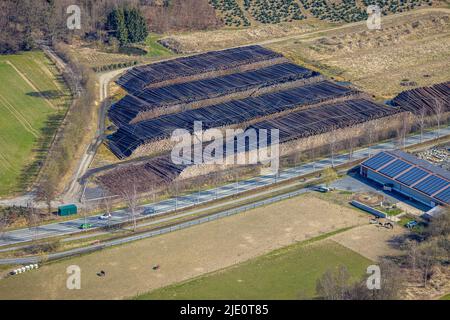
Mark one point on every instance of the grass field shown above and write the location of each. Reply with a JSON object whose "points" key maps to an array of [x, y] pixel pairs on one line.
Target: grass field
{"points": [[446, 297], [288, 273], [98, 57], [154, 48], [187, 253], [32, 102]]}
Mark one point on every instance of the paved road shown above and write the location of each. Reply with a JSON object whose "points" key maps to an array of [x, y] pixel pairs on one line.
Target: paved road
{"points": [[76, 185], [173, 217], [182, 202], [152, 233]]}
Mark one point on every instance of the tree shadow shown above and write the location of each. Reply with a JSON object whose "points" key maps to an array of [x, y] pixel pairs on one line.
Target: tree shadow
{"points": [[48, 94], [30, 171]]}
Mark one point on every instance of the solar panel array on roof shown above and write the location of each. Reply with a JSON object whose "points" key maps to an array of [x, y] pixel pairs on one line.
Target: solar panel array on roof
{"points": [[444, 195], [378, 160], [395, 168], [431, 185], [424, 165], [410, 172], [412, 176]]}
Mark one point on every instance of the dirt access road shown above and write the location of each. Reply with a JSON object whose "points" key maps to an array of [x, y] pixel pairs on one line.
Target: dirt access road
{"points": [[75, 188]]}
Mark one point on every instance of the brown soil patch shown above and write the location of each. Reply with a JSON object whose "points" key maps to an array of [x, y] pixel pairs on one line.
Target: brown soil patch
{"points": [[371, 241]]}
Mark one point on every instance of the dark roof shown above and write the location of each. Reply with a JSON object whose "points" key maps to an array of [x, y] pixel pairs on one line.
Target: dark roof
{"points": [[413, 173], [420, 163]]}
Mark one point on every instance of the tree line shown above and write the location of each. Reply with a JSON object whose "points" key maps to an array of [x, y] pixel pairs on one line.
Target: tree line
{"points": [[25, 21], [424, 252]]}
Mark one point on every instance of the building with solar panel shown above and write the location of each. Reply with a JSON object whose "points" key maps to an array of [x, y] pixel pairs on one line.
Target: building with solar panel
{"points": [[412, 177]]}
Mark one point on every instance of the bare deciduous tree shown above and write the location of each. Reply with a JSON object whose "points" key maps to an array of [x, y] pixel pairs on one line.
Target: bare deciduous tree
{"points": [[406, 126], [332, 143], [130, 196], [403, 129], [438, 109], [106, 204], [311, 149], [33, 218], [333, 285], [3, 224], [412, 252], [46, 191], [329, 175], [426, 260], [420, 119], [337, 284], [351, 143], [439, 225], [371, 134]]}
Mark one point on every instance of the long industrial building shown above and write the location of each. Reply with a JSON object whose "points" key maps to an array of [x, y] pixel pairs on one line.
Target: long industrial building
{"points": [[414, 178]]}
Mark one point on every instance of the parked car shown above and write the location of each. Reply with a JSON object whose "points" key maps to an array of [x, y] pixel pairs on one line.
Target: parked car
{"points": [[411, 224], [85, 226], [150, 210], [388, 187], [105, 216], [321, 189]]}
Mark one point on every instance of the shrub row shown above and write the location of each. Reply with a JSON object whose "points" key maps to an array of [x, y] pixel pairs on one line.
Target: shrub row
{"points": [[114, 66]]}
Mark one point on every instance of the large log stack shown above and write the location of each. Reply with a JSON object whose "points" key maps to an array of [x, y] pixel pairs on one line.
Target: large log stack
{"points": [[309, 111], [428, 98]]}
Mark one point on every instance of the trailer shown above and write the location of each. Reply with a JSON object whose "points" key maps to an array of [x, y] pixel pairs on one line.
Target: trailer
{"points": [[67, 210]]}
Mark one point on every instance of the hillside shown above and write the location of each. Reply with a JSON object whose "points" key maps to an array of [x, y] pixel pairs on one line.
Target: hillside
{"points": [[252, 12]]}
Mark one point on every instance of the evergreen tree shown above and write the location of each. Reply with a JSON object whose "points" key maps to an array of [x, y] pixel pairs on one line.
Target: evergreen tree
{"points": [[122, 30], [136, 25], [127, 25]]}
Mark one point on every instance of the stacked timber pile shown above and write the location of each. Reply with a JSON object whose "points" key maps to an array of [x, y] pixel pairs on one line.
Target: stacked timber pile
{"points": [[309, 113], [428, 98], [149, 175], [139, 77], [326, 118], [127, 109], [129, 137]]}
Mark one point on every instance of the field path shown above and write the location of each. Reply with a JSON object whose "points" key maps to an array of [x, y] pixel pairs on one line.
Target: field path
{"points": [[5, 163], [49, 74], [28, 81]]}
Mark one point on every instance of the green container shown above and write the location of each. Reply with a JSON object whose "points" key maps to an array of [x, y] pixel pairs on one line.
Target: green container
{"points": [[67, 210]]}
